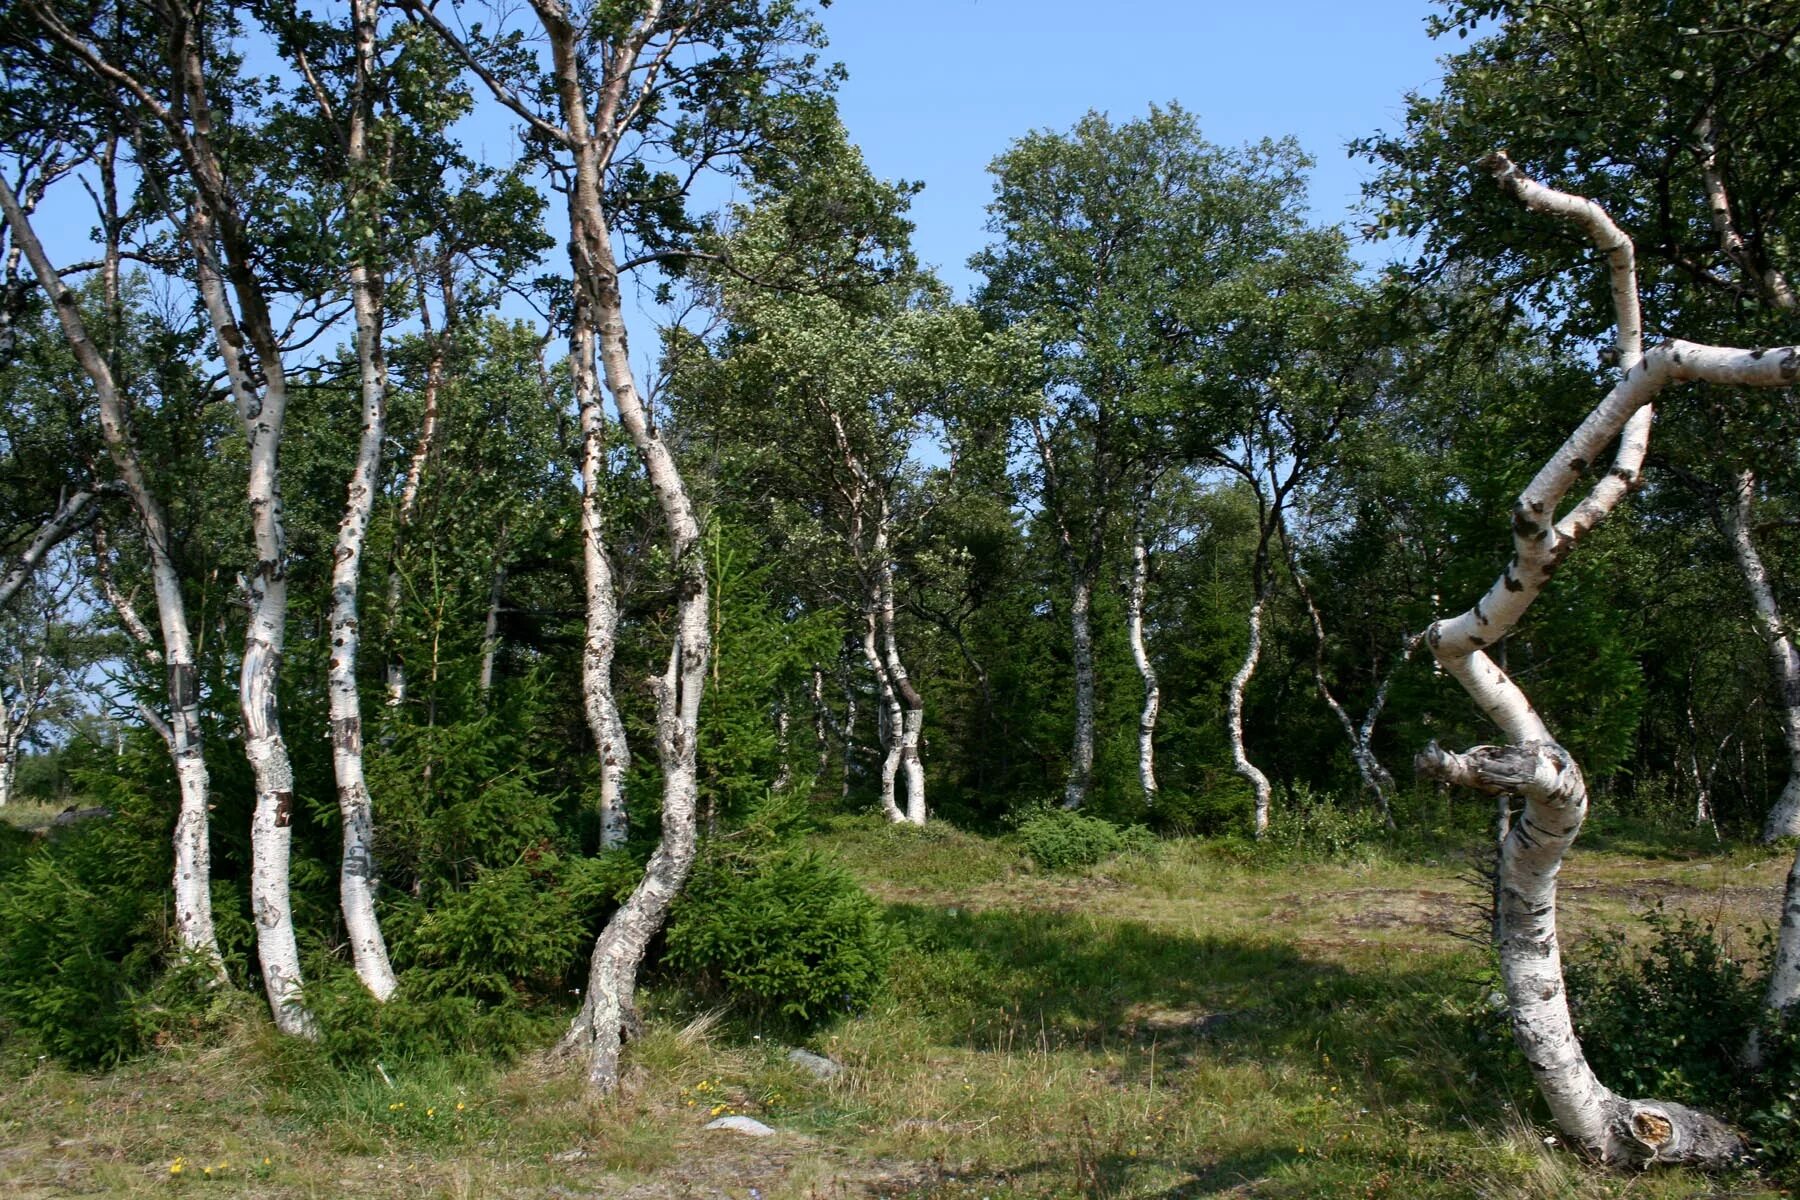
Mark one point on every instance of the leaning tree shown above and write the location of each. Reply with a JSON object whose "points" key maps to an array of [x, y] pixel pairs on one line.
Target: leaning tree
{"points": [[1531, 765]]}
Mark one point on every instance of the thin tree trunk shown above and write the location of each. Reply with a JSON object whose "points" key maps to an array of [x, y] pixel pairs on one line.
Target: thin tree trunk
{"points": [[1784, 663], [1140, 654], [1533, 766], [849, 729], [415, 469], [490, 630], [892, 717], [193, 862], [1081, 755], [608, 1007], [357, 873], [910, 704], [1234, 718], [600, 639], [64, 521]]}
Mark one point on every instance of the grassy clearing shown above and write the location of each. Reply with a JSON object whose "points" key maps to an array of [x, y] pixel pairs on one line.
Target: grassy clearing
{"points": [[1200, 1021]]}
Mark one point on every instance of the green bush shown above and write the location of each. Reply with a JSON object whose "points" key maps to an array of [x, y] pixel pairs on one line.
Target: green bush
{"points": [[1671, 1021], [771, 926], [1058, 840], [1304, 826]]}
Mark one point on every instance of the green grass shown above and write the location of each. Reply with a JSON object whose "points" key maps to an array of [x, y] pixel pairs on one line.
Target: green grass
{"points": [[1198, 1021]]}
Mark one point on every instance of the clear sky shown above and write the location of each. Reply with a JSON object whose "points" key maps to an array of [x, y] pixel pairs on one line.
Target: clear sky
{"points": [[937, 88]]}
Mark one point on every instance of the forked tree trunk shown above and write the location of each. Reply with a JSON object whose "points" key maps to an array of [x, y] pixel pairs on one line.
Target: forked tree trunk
{"points": [[1784, 662], [608, 1006], [357, 874], [601, 635], [1140, 654], [1533, 766], [193, 860]]}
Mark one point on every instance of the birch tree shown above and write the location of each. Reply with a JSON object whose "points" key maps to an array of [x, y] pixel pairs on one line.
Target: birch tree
{"points": [[1122, 256], [181, 730], [1532, 765], [821, 387], [179, 99], [714, 86]]}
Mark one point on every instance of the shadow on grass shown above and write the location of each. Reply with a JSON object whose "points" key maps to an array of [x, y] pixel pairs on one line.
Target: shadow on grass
{"points": [[1037, 981]]}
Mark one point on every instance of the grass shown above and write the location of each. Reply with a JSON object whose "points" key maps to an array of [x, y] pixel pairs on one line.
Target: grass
{"points": [[1203, 1020]]}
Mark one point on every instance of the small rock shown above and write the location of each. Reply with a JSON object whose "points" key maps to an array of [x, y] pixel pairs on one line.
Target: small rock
{"points": [[743, 1125], [569, 1156], [816, 1065]]}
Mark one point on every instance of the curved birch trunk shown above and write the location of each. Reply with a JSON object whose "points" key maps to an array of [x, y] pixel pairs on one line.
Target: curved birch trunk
{"points": [[608, 1008], [600, 638], [1533, 766], [910, 702], [357, 875], [1784, 663], [1140, 654], [1234, 718], [895, 719], [1081, 752], [194, 930]]}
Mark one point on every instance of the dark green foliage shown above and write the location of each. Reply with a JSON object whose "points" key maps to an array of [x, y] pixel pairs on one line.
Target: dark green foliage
{"points": [[777, 928], [1672, 1021], [1061, 841]]}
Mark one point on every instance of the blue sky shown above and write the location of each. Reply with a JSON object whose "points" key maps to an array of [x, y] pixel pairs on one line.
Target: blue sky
{"points": [[937, 88]]}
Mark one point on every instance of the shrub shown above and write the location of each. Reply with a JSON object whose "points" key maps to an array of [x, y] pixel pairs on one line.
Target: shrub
{"points": [[1058, 840], [770, 925], [1672, 1021], [1313, 827]]}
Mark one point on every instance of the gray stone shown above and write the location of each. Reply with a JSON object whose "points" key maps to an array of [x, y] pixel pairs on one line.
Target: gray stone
{"points": [[743, 1125], [816, 1065]]}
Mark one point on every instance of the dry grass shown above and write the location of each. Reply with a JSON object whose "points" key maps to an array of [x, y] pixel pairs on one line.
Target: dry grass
{"points": [[1182, 1025]]}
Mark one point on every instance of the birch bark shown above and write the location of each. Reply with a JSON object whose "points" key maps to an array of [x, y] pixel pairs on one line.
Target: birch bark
{"points": [[1533, 766], [194, 929], [1784, 662], [1140, 654], [357, 875], [602, 624], [608, 1006]]}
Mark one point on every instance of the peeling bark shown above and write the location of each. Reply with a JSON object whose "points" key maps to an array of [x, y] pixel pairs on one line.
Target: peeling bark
{"points": [[1533, 766]]}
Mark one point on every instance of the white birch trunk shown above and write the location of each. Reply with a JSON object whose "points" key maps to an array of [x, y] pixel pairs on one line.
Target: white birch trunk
{"points": [[890, 728], [1234, 720], [600, 638], [911, 704], [1784, 663], [490, 630], [608, 1008], [194, 930], [1081, 630], [1140, 654], [1533, 766], [357, 874]]}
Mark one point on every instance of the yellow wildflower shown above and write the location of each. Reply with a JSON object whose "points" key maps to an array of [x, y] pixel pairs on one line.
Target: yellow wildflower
{"points": [[175, 1167]]}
